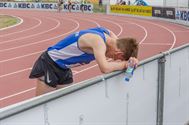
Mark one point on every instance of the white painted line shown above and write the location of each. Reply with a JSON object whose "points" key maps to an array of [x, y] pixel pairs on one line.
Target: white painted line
{"points": [[16, 72], [146, 33], [19, 57], [174, 37], [16, 94], [161, 44], [144, 29], [181, 31], [74, 71], [21, 21], [30, 54], [25, 91], [92, 21], [44, 40], [46, 31], [85, 69], [172, 33], [120, 27], [23, 30]]}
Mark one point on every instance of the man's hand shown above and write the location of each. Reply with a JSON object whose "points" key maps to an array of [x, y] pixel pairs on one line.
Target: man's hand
{"points": [[134, 61]]}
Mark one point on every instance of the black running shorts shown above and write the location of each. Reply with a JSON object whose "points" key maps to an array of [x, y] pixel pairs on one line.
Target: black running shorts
{"points": [[53, 74]]}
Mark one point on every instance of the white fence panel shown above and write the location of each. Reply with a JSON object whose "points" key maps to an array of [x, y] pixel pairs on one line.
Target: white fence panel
{"points": [[33, 116], [110, 102], [176, 94]]}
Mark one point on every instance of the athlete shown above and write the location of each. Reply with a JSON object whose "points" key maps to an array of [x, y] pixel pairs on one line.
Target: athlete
{"points": [[82, 4], [53, 67], [60, 3], [69, 5]]}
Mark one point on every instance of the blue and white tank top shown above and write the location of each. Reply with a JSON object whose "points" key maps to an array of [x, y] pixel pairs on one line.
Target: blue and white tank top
{"points": [[67, 53]]}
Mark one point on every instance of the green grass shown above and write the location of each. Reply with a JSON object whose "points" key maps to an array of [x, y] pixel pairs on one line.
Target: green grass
{"points": [[99, 9], [6, 21]]}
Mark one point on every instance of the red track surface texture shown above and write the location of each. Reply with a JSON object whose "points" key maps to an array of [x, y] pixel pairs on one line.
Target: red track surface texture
{"points": [[22, 44]]}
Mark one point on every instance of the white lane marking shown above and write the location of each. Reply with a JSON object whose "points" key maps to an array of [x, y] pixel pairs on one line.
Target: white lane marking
{"points": [[26, 69], [142, 27], [181, 31], [19, 57], [21, 21], [85, 69], [8, 74], [23, 30], [92, 21], [172, 33], [75, 73], [28, 90], [16, 72], [43, 40], [174, 37], [146, 33], [30, 54], [25, 91], [19, 93], [46, 31], [161, 44], [120, 27]]}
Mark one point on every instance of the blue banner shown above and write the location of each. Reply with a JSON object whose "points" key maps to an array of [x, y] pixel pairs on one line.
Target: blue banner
{"points": [[182, 14]]}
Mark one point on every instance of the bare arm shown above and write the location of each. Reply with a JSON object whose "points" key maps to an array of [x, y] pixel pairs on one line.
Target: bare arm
{"points": [[99, 50]]}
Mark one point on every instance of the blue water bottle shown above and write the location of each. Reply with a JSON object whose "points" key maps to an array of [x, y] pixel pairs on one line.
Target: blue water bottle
{"points": [[129, 72]]}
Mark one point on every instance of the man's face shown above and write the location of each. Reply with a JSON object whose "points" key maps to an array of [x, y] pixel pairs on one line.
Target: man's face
{"points": [[116, 54]]}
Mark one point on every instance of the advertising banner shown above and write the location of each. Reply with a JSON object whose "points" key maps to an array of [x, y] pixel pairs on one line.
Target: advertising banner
{"points": [[182, 15], [134, 10], [157, 11], [45, 6], [163, 12]]}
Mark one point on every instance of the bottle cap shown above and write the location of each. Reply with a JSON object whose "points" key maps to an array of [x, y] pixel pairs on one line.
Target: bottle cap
{"points": [[127, 79]]}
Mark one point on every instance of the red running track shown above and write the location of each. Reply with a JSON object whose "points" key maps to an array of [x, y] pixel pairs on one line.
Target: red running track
{"points": [[22, 44]]}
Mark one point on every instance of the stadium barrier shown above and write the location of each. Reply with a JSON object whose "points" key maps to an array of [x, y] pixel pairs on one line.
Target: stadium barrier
{"points": [[158, 94], [175, 15], [182, 15], [133, 10], [45, 6]]}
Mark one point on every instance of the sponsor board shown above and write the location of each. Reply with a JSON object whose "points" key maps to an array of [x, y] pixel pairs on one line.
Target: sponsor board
{"points": [[182, 15], [25, 5], [77, 7], [134, 10], [163, 12], [45, 6]]}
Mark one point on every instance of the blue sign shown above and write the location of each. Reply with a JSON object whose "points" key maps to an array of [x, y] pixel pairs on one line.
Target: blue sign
{"points": [[182, 15]]}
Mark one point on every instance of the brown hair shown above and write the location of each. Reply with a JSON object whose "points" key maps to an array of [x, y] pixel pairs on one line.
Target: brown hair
{"points": [[128, 46]]}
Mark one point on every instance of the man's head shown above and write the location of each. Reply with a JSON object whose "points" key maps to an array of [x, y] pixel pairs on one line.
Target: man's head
{"points": [[124, 49]]}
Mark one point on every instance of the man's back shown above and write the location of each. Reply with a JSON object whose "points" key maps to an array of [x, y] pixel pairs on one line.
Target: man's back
{"points": [[74, 49]]}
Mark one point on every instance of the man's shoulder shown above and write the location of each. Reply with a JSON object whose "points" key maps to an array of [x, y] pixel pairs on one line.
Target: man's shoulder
{"points": [[91, 37], [91, 40]]}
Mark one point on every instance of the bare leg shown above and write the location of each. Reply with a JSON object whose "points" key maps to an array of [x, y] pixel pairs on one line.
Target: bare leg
{"points": [[42, 88]]}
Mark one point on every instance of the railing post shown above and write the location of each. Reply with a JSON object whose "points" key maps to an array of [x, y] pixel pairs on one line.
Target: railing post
{"points": [[160, 91]]}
